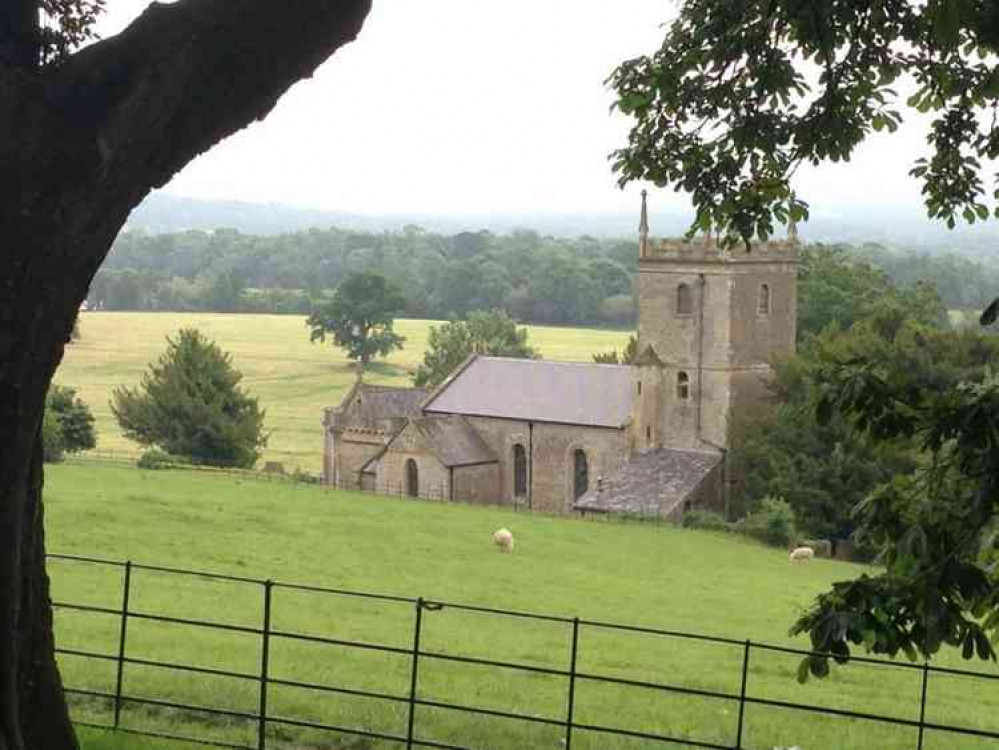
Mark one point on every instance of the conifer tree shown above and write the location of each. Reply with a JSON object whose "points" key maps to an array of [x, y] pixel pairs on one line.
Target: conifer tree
{"points": [[190, 404]]}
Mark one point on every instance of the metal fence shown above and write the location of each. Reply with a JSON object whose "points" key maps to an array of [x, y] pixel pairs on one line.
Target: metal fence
{"points": [[419, 657]]}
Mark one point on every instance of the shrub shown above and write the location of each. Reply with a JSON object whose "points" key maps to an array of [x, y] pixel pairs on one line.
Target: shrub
{"points": [[154, 458], [773, 523], [68, 425], [704, 519]]}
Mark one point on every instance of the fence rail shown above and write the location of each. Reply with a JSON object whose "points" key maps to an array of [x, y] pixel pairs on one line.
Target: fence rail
{"points": [[420, 657]]}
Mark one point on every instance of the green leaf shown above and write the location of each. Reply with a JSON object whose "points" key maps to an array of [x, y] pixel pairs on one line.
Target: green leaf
{"points": [[990, 313], [803, 671], [968, 649], [982, 646], [947, 23]]}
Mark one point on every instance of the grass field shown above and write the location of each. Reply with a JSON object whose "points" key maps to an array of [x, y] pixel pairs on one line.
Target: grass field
{"points": [[620, 572], [293, 378]]}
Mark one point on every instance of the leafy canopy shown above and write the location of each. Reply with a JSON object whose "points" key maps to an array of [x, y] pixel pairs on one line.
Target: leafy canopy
{"points": [[837, 288], [190, 404], [492, 333], [742, 92], [360, 317], [935, 390]]}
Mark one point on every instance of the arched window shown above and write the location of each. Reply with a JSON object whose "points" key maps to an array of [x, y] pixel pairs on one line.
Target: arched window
{"points": [[684, 301], [412, 479], [763, 306], [519, 471], [580, 474], [682, 386]]}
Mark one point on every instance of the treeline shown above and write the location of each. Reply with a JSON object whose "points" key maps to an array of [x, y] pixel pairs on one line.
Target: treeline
{"points": [[538, 279], [535, 278]]}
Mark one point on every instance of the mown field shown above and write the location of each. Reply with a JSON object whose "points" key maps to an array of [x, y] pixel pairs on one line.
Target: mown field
{"points": [[293, 378], [661, 577]]}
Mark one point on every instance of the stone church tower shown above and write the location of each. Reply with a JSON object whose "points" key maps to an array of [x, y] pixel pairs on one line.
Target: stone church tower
{"points": [[710, 319]]}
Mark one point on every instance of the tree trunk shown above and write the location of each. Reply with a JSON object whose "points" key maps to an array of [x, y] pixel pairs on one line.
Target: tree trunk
{"points": [[80, 146]]}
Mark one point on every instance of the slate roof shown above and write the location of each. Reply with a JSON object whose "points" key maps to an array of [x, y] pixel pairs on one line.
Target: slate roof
{"points": [[380, 403], [454, 441], [529, 389], [652, 484]]}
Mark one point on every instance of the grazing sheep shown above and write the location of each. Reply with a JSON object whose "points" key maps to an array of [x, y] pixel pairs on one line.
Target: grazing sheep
{"points": [[504, 540], [803, 554]]}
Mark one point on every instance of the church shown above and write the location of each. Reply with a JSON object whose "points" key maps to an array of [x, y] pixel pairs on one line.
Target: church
{"points": [[647, 438]]}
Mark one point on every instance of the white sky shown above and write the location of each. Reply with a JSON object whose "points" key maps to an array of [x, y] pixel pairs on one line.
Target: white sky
{"points": [[480, 106]]}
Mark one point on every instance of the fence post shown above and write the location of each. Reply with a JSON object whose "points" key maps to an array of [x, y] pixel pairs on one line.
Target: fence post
{"points": [[742, 696], [265, 645], [413, 676], [122, 633], [572, 683], [922, 705]]}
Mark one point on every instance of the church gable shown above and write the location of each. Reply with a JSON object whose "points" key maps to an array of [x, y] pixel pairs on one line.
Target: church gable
{"points": [[450, 440], [378, 407]]}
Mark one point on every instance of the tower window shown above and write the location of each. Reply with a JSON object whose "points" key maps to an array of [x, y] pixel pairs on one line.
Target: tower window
{"points": [[683, 386], [684, 300], [639, 387], [763, 305], [648, 433]]}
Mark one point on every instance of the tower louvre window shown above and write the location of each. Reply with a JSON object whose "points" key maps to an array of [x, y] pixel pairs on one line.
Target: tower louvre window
{"points": [[682, 386], [763, 305], [684, 300], [639, 387]]}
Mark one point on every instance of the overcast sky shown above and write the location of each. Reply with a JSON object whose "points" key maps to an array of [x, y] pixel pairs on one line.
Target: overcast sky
{"points": [[480, 106]]}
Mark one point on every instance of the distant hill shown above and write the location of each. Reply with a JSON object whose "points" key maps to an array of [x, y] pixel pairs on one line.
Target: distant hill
{"points": [[162, 212]]}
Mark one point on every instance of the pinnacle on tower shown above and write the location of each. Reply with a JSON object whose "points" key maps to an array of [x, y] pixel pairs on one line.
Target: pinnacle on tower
{"points": [[643, 228]]}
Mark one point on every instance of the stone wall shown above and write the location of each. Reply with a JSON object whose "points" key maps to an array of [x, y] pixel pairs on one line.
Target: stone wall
{"points": [[477, 484], [390, 470], [550, 464], [350, 450]]}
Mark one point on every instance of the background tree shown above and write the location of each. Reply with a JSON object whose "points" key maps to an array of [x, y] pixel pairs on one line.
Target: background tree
{"points": [[360, 317], [492, 333], [68, 425], [116, 120], [836, 287], [190, 404], [626, 357]]}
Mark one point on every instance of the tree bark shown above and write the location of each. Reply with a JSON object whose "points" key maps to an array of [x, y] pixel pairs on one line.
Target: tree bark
{"points": [[80, 146]]}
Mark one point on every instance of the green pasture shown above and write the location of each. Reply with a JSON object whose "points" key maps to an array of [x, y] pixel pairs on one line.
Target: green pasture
{"points": [[293, 378], [623, 572]]}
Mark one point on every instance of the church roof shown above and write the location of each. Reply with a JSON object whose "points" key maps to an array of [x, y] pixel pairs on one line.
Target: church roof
{"points": [[369, 404], [537, 390], [650, 484], [451, 439], [454, 441]]}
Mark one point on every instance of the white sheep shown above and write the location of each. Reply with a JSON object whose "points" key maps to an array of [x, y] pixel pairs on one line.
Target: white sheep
{"points": [[504, 540], [802, 554]]}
